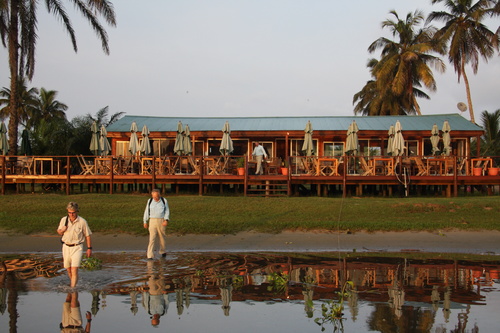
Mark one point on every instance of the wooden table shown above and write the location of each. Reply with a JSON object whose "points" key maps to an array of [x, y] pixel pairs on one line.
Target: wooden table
{"points": [[387, 162], [327, 166], [42, 161], [103, 165], [439, 164]]}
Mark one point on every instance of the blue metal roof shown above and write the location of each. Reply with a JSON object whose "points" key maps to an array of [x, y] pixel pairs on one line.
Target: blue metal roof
{"points": [[376, 123]]}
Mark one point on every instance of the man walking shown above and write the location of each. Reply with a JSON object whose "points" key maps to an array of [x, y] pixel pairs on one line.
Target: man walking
{"points": [[75, 231], [157, 213], [260, 153]]}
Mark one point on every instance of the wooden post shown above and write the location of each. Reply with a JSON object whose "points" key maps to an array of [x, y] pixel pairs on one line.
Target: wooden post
{"points": [[344, 179], [200, 180], [68, 174], [112, 175], [3, 174]]}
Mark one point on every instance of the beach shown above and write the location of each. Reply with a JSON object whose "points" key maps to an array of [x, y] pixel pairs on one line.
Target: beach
{"points": [[473, 242]]}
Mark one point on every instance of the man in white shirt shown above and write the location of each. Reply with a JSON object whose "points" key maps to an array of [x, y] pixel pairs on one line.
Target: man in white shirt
{"points": [[260, 153], [157, 214]]}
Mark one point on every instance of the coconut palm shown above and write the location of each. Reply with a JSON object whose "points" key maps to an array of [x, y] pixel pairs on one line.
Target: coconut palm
{"points": [[47, 107], [468, 38], [404, 64], [490, 142], [28, 99], [18, 24]]}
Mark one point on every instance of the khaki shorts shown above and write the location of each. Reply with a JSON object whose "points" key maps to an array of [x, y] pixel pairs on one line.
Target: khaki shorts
{"points": [[72, 255]]}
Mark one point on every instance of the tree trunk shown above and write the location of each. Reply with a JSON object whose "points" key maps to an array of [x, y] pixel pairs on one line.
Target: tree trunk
{"points": [[467, 90], [13, 45]]}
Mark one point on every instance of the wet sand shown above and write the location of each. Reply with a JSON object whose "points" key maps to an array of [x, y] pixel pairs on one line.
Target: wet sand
{"points": [[481, 242]]}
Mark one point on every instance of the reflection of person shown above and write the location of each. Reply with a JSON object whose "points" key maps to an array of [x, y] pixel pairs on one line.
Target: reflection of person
{"points": [[72, 316], [157, 213], [75, 231], [260, 153], [155, 300]]}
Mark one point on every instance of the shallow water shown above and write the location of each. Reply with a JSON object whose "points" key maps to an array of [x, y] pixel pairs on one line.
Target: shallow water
{"points": [[251, 292]]}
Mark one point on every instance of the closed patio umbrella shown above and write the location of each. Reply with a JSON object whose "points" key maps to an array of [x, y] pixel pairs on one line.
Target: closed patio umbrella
{"points": [[25, 143], [103, 141], [188, 147], [351, 145], [95, 147], [390, 141], [446, 138], [145, 147], [226, 146], [398, 144], [133, 146], [435, 139], [179, 140], [308, 147], [4, 143]]}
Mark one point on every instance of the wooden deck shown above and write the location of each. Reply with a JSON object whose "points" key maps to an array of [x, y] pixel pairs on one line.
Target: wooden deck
{"points": [[304, 182]]}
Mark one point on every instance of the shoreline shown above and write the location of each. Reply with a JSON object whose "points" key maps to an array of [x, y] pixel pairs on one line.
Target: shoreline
{"points": [[473, 242]]}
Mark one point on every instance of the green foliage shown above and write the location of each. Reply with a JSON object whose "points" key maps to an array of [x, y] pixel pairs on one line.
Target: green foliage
{"points": [[278, 282], [332, 310], [240, 163], [91, 264]]}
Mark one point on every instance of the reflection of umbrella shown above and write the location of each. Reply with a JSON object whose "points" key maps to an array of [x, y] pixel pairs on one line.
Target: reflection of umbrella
{"points": [[25, 143], [390, 140], [103, 141], [94, 141], [145, 146], [398, 144], [133, 146], [308, 147], [188, 148], [226, 146], [446, 138], [351, 144], [4, 144], [179, 140], [435, 139]]}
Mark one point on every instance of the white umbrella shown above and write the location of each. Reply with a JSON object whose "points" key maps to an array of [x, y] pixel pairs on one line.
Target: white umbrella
{"points": [[308, 147], [4, 143], [133, 146], [103, 142], [398, 144], [188, 147], [390, 141], [179, 140], [446, 138], [145, 145], [226, 146], [435, 139], [351, 145], [95, 148]]}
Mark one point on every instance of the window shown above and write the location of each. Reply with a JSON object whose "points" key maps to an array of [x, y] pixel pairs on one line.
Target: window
{"points": [[333, 148], [122, 148], [296, 147]]}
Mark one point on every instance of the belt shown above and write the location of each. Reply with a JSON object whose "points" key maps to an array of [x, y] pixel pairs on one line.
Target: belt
{"points": [[71, 245]]}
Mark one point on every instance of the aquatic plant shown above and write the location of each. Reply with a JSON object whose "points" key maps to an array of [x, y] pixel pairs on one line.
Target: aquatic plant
{"points": [[332, 310], [91, 263]]}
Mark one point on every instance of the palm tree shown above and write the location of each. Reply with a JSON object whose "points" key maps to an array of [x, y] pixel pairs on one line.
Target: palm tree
{"points": [[18, 23], [47, 107], [28, 99], [404, 64], [468, 38], [101, 117], [490, 142]]}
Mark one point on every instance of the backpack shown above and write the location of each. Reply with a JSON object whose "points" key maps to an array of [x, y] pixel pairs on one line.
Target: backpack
{"points": [[65, 224], [149, 205]]}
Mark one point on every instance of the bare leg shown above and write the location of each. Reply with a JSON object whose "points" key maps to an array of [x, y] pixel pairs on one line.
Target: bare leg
{"points": [[73, 276]]}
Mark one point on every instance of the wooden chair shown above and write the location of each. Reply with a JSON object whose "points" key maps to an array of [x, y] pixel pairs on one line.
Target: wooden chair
{"points": [[274, 166], [368, 170], [87, 167], [422, 168]]}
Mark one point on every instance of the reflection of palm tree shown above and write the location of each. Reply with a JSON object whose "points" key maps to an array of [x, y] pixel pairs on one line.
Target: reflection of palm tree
{"points": [[468, 37]]}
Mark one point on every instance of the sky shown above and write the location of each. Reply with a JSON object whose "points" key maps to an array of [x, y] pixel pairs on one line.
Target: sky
{"points": [[234, 58]]}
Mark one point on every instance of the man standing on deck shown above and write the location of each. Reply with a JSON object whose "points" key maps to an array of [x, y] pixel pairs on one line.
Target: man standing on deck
{"points": [[260, 153], [75, 231], [157, 213]]}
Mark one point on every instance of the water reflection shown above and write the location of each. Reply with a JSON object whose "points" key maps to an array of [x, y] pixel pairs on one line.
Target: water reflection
{"points": [[71, 321], [247, 292]]}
